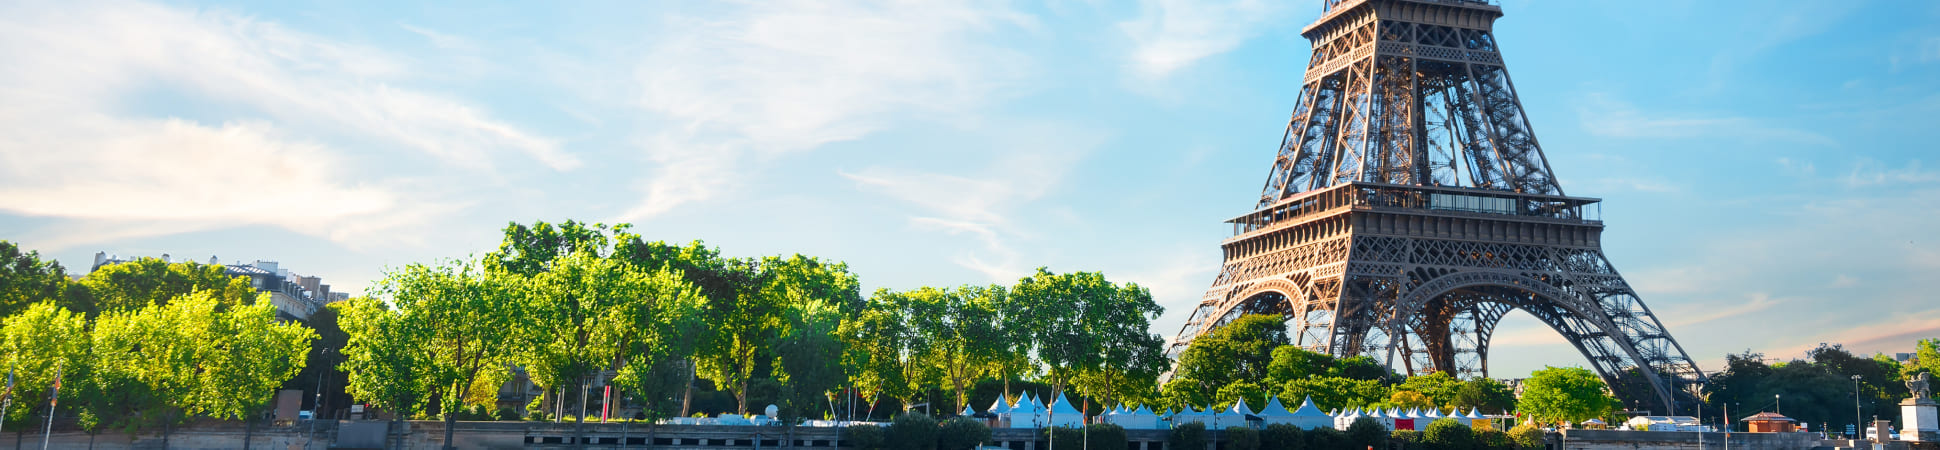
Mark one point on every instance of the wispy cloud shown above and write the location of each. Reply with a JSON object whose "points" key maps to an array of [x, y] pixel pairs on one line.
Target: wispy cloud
{"points": [[1870, 172], [1603, 115], [1169, 35], [78, 147], [982, 202], [764, 79]]}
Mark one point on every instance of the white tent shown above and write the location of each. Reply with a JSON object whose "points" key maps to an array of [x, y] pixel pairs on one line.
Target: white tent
{"points": [[1026, 413], [1341, 422], [1190, 415], [1274, 412], [1475, 415], [1000, 407], [1063, 415], [967, 411], [1234, 416], [1391, 417], [1459, 417], [1309, 416], [1139, 419]]}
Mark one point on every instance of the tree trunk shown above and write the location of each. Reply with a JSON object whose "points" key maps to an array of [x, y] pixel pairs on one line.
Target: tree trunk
{"points": [[687, 398], [249, 430], [742, 396]]}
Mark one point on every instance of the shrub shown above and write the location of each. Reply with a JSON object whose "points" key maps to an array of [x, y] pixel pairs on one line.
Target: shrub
{"points": [[1527, 435], [913, 431], [1282, 436], [1448, 434], [1366, 432], [1066, 437], [1493, 440], [1190, 436], [962, 433], [507, 413], [1408, 439], [1242, 438], [1105, 436], [1326, 438], [866, 437]]}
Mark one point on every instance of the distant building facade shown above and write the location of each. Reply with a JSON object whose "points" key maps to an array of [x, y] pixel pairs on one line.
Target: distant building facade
{"points": [[295, 296]]}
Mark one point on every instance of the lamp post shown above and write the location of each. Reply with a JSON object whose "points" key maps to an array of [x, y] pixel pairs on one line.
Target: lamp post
{"points": [[316, 407], [1778, 406], [1855, 403]]}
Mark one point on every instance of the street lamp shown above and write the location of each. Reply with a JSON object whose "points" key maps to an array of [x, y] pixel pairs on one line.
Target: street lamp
{"points": [[1855, 403], [1778, 406]]}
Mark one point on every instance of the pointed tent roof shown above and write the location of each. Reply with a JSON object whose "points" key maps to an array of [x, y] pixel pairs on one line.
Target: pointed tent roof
{"points": [[1414, 413], [1000, 406], [1433, 413], [1395, 413], [1475, 413], [1239, 407], [1307, 408], [1142, 410], [968, 411], [1062, 406], [1274, 408]]}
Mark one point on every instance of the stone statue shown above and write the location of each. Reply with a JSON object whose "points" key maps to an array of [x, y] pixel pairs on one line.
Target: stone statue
{"points": [[1918, 385]]}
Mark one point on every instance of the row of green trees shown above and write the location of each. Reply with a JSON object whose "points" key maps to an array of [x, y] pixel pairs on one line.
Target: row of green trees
{"points": [[568, 303], [1252, 358], [920, 432], [171, 360]]}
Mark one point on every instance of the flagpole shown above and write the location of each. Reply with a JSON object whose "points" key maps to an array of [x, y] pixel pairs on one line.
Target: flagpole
{"points": [[52, 403], [6, 398]]}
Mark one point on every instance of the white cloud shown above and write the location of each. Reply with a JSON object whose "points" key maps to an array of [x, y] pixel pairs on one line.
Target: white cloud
{"points": [[1031, 159], [770, 78], [1870, 172], [80, 145], [1602, 115], [1171, 34]]}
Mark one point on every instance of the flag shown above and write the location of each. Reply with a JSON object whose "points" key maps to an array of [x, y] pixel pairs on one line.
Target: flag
{"points": [[56, 399]]}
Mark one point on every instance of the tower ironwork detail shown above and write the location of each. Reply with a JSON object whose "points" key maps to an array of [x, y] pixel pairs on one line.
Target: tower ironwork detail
{"points": [[1410, 207]]}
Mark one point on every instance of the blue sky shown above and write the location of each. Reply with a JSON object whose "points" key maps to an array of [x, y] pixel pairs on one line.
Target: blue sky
{"points": [[1767, 167]]}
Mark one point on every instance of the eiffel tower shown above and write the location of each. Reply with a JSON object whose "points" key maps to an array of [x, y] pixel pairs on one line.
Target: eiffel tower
{"points": [[1410, 208]]}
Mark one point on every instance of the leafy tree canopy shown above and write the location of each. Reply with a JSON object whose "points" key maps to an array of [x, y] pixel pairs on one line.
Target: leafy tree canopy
{"points": [[1567, 394]]}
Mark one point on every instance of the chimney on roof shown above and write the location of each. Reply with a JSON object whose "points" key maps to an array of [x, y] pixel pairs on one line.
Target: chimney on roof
{"points": [[165, 257]]}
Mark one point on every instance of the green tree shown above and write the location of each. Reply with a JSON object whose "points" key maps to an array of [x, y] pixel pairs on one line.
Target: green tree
{"points": [[880, 348], [1449, 434], [1485, 393], [582, 314], [143, 281], [721, 282], [382, 356], [1241, 350], [1438, 386], [815, 296], [809, 356], [964, 433], [530, 250], [1075, 314], [1406, 400], [35, 343], [1527, 435], [1366, 432], [467, 320], [190, 358], [1568, 394], [1240, 390], [25, 279], [1134, 358], [1336, 392], [959, 327]]}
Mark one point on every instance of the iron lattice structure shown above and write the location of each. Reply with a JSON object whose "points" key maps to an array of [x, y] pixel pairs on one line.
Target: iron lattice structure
{"points": [[1410, 208]]}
